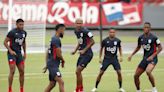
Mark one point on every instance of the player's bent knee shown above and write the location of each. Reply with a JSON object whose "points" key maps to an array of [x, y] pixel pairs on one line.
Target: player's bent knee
{"points": [[22, 74], [61, 82], [148, 73], [12, 73], [78, 72]]}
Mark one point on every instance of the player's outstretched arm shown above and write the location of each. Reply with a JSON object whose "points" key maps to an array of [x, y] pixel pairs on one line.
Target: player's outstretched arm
{"points": [[24, 49], [120, 51], [59, 55], [77, 47], [8, 47], [134, 52], [46, 60], [100, 55]]}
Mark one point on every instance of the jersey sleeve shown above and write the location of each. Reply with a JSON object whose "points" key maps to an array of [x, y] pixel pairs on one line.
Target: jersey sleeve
{"points": [[89, 33], [25, 37], [25, 34], [157, 41], [103, 43], [56, 43], [139, 41], [119, 43], [10, 34]]}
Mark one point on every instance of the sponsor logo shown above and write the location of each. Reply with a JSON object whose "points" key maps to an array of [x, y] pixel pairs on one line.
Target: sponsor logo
{"points": [[112, 50]]}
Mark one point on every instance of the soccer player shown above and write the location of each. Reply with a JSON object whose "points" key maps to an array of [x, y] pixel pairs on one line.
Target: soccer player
{"points": [[85, 42], [17, 40], [110, 45], [152, 47], [54, 58]]}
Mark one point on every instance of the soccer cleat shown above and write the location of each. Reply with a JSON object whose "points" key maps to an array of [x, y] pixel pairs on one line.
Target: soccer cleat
{"points": [[121, 90], [94, 90], [138, 91], [154, 89]]}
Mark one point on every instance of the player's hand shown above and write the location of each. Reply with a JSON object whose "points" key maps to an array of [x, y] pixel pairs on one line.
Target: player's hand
{"points": [[121, 59], [62, 64], [12, 52], [129, 58], [73, 53], [150, 58], [45, 69], [81, 51]]}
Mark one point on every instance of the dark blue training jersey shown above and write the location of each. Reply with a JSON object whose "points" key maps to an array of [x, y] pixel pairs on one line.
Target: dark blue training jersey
{"points": [[111, 46], [149, 44], [84, 36], [54, 44], [17, 38]]}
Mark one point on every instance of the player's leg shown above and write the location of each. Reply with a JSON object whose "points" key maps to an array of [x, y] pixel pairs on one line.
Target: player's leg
{"points": [[81, 64], [98, 81], [117, 68], [149, 70], [61, 83], [21, 75], [50, 86], [11, 75], [137, 74], [12, 66], [103, 68], [79, 78], [120, 80], [52, 75], [140, 69], [99, 78]]}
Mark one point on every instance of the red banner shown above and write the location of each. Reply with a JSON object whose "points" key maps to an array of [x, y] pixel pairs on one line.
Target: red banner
{"points": [[67, 13], [62, 12]]}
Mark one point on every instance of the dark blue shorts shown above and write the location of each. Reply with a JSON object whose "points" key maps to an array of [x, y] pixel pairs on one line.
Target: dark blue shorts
{"points": [[144, 63], [83, 60], [113, 62], [53, 72], [18, 59]]}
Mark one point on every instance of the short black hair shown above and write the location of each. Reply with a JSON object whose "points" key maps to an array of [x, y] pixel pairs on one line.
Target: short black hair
{"points": [[148, 23], [19, 20], [59, 26], [112, 28]]}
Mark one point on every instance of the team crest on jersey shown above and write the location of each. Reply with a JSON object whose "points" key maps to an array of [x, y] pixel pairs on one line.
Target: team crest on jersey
{"points": [[147, 47], [81, 34], [115, 42], [23, 35], [141, 39], [149, 41]]}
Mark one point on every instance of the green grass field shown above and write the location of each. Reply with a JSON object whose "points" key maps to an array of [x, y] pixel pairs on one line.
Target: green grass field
{"points": [[36, 81]]}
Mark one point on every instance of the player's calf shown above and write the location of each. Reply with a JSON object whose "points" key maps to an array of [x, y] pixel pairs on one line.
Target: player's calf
{"points": [[61, 84], [50, 86]]}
